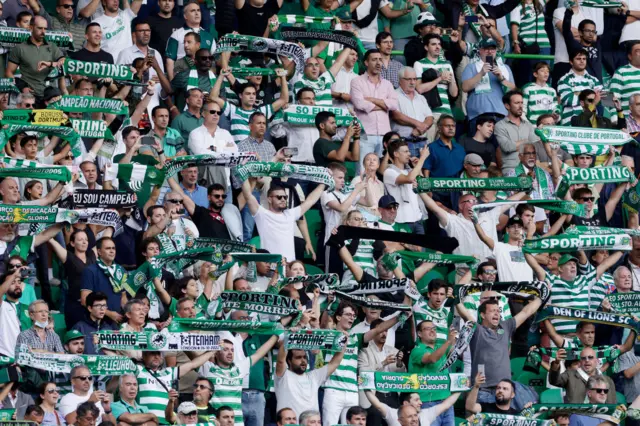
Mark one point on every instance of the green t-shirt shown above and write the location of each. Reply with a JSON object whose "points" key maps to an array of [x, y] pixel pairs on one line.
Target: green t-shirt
{"points": [[257, 374], [416, 366], [121, 407]]}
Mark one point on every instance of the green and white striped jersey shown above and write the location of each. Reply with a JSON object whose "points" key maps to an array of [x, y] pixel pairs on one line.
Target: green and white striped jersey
{"points": [[364, 256], [472, 303], [227, 383], [539, 100], [151, 393], [625, 82], [345, 378], [443, 88], [527, 19], [569, 87], [321, 87], [440, 318], [175, 45], [239, 118], [585, 292]]}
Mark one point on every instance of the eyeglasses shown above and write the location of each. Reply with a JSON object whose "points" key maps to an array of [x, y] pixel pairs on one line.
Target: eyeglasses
{"points": [[29, 105], [175, 201], [489, 298], [215, 112], [587, 358], [53, 391], [70, 157], [349, 315], [598, 390], [197, 386], [204, 58], [590, 100], [100, 306], [218, 196], [15, 265], [592, 199], [490, 272], [281, 197], [589, 31], [83, 378]]}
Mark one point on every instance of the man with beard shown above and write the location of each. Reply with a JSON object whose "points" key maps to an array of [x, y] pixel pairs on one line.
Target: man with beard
{"points": [[220, 220], [11, 289], [327, 150], [505, 392], [202, 392], [116, 25], [424, 416], [513, 131], [140, 48]]}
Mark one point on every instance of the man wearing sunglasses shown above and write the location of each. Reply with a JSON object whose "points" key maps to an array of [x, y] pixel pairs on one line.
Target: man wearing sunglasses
{"points": [[589, 117], [82, 385], [585, 381]]}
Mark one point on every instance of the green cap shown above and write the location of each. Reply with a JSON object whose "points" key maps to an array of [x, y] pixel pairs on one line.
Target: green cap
{"points": [[567, 258], [72, 335], [488, 42], [345, 16]]}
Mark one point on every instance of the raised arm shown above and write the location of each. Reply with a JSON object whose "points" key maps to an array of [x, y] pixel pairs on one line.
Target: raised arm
{"points": [[284, 91], [530, 309], [195, 363], [334, 363], [441, 214], [608, 263], [386, 325], [481, 234], [556, 338], [471, 404], [47, 234], [614, 199], [263, 350], [537, 269], [355, 269], [253, 204], [311, 199], [187, 202], [60, 251]]}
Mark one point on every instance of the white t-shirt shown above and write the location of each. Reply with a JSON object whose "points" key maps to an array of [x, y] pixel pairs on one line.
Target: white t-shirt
{"points": [[469, 243], [364, 327], [333, 218], [10, 328], [116, 31], [277, 230], [631, 31], [69, 403], [299, 392], [408, 202], [368, 34], [427, 416], [512, 266]]}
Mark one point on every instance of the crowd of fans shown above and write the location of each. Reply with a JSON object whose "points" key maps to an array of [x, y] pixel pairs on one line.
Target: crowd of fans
{"points": [[393, 101]]}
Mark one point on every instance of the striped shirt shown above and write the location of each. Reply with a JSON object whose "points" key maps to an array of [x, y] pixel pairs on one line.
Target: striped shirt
{"points": [[175, 45], [364, 256], [227, 383], [539, 100], [530, 24], [585, 292], [321, 87], [472, 303], [239, 118], [625, 82], [440, 318], [151, 392], [569, 87], [443, 88], [345, 378]]}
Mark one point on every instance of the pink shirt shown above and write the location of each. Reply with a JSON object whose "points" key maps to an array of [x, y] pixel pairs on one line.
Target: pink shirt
{"points": [[374, 122]]}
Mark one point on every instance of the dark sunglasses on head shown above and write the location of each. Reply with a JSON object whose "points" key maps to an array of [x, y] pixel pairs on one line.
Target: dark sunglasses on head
{"points": [[215, 112], [216, 196]]}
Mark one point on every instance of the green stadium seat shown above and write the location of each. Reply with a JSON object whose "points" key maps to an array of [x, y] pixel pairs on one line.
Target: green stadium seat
{"points": [[551, 396], [517, 365], [314, 224], [59, 324], [351, 169], [313, 270], [538, 381], [620, 399], [255, 241]]}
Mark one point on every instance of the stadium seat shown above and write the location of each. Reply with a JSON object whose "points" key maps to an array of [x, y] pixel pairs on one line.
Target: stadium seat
{"points": [[620, 399], [536, 381], [313, 270], [517, 365], [255, 241], [553, 396], [314, 224]]}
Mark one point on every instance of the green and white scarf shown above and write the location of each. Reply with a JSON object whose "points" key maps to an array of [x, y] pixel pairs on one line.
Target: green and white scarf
{"points": [[324, 281], [462, 343], [97, 69], [524, 289], [608, 318], [192, 81], [374, 287], [141, 276], [6, 415], [598, 230], [559, 206], [345, 38], [609, 412], [20, 162], [35, 214], [240, 43], [583, 140], [64, 133], [245, 72], [157, 341], [115, 273], [305, 115], [487, 419], [10, 37], [8, 85], [314, 339], [251, 327], [412, 382], [302, 172], [437, 258], [253, 301], [625, 303], [176, 262], [57, 173], [64, 363], [577, 175], [366, 302], [631, 200], [477, 184], [92, 129], [222, 246], [71, 103], [541, 178], [137, 176], [302, 19], [600, 4], [572, 242], [475, 26], [230, 160], [534, 357]]}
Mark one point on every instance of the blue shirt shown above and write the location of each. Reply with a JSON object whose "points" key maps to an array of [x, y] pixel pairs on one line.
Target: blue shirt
{"points": [[88, 327], [444, 162], [121, 407], [95, 280], [489, 102], [580, 420], [198, 195]]}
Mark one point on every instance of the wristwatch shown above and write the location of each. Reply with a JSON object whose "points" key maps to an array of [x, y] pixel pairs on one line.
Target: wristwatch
{"points": [[627, 13]]}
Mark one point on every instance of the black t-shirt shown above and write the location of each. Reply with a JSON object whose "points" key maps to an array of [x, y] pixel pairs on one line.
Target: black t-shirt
{"points": [[161, 29], [485, 150], [85, 55], [209, 226], [493, 409], [254, 20], [599, 219]]}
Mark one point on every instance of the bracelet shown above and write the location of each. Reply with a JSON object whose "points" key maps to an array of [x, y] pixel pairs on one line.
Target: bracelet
{"points": [[161, 152], [356, 139]]}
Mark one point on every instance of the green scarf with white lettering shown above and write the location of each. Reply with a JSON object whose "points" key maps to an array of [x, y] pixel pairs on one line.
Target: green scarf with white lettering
{"points": [[36, 214], [477, 184], [251, 327], [70, 103], [609, 412], [541, 178], [489, 419], [314, 339], [560, 206], [305, 115], [241, 43], [192, 81], [534, 357], [583, 140], [230, 160], [64, 363], [11, 37], [8, 85], [412, 382], [608, 174], [608, 318], [57, 173], [92, 129], [97, 69], [64, 133], [572, 242], [302, 172]]}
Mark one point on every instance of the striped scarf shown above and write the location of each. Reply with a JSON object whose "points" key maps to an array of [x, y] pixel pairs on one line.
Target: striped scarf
{"points": [[192, 82]]}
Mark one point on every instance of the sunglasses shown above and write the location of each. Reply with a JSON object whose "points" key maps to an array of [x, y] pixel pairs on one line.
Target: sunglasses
{"points": [[604, 391], [191, 414], [590, 100], [67, 6], [53, 391], [204, 58], [215, 112], [217, 196], [490, 272], [281, 197], [29, 105], [592, 199], [175, 201], [70, 157], [587, 358], [15, 265], [83, 378], [197, 386]]}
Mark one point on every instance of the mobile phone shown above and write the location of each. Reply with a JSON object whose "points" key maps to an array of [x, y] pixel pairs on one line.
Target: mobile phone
{"points": [[456, 323], [490, 60], [151, 53], [27, 273], [148, 140], [290, 152], [447, 31], [470, 19], [180, 211], [481, 369]]}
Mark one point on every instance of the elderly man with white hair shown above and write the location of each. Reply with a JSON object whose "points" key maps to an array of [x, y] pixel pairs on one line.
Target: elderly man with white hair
{"points": [[413, 117], [310, 418]]}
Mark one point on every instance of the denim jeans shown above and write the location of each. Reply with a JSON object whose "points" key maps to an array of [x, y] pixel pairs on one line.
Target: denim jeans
{"points": [[372, 143], [524, 394], [248, 223], [445, 419], [253, 405]]}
